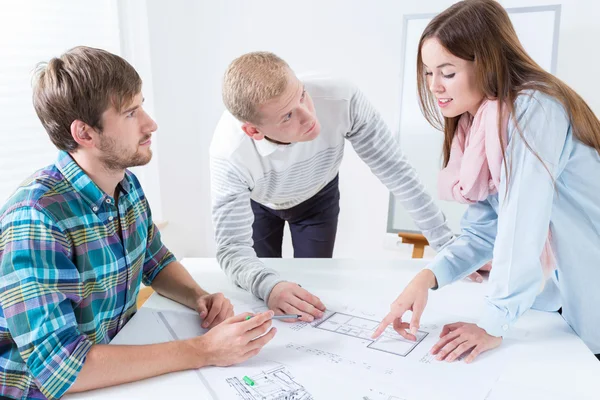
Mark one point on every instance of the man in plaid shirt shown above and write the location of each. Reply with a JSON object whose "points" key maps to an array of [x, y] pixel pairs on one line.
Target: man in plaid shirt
{"points": [[77, 238]]}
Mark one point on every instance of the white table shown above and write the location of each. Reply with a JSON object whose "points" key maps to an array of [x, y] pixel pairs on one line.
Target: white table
{"points": [[550, 361]]}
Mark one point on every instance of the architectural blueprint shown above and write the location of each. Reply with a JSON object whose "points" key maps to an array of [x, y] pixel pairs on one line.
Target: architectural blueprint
{"points": [[275, 384], [336, 357], [362, 328]]}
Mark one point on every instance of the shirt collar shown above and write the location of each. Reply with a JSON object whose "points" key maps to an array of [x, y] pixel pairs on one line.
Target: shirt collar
{"points": [[265, 147], [83, 184]]}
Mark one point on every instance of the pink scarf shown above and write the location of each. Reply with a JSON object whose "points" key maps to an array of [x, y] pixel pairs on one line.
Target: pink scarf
{"points": [[475, 164]]}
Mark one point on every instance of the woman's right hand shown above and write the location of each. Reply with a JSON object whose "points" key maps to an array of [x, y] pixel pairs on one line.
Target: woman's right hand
{"points": [[413, 298]]}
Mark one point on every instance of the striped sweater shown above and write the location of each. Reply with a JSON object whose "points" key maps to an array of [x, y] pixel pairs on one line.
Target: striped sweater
{"points": [[282, 176]]}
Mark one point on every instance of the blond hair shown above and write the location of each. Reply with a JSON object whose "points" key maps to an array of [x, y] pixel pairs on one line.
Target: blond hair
{"points": [[80, 85], [250, 81]]}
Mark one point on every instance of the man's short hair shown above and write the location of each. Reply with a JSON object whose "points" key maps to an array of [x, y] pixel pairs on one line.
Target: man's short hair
{"points": [[250, 81], [80, 85]]}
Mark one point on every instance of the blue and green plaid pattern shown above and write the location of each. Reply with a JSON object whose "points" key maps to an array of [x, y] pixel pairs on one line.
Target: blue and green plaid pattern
{"points": [[69, 277]]}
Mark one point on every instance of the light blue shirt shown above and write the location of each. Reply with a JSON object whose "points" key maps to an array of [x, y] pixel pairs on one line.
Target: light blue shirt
{"points": [[512, 228]]}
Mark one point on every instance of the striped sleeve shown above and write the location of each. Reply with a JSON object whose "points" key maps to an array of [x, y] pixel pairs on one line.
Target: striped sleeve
{"points": [[37, 301], [232, 219], [375, 145]]}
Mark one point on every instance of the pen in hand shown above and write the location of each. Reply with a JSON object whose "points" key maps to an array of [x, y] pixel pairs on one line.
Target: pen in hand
{"points": [[285, 316]]}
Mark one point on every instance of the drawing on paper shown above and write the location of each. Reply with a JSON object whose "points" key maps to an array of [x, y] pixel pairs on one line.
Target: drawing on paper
{"points": [[275, 384], [363, 328], [379, 395], [430, 359], [337, 359]]}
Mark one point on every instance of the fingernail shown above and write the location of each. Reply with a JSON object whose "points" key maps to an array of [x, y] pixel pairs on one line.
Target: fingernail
{"points": [[204, 325], [413, 331], [271, 313], [310, 318], [479, 279]]}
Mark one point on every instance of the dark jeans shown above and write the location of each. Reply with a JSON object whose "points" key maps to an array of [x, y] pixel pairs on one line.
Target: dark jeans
{"points": [[313, 225]]}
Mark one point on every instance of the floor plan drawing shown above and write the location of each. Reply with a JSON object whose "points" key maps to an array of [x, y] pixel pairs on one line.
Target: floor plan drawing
{"points": [[275, 384], [337, 359], [332, 357], [429, 358], [363, 328]]}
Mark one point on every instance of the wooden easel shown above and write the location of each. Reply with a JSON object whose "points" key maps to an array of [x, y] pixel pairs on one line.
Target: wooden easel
{"points": [[417, 240]]}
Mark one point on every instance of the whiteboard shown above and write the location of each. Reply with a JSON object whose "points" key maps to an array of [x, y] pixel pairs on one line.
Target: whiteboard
{"points": [[537, 28]]}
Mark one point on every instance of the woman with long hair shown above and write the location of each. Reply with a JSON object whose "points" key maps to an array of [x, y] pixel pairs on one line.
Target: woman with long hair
{"points": [[523, 150]]}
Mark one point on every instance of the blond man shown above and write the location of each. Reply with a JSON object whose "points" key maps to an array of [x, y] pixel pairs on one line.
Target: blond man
{"points": [[273, 160]]}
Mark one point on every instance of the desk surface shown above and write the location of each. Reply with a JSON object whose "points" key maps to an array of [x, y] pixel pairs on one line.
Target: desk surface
{"points": [[548, 360]]}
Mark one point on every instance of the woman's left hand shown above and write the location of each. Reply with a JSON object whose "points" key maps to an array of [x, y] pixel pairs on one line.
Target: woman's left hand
{"points": [[476, 276], [460, 337]]}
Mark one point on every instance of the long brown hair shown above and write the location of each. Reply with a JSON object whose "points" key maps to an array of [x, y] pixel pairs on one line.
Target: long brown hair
{"points": [[481, 31]]}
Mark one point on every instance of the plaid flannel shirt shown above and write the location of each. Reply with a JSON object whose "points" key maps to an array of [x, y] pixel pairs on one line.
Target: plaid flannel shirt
{"points": [[69, 277]]}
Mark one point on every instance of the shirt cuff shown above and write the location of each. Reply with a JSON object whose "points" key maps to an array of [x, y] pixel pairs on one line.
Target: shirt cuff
{"points": [[166, 259], [55, 372], [442, 271], [266, 285], [439, 238], [495, 321]]}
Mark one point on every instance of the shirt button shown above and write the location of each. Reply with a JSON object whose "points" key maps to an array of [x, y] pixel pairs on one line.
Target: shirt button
{"points": [[110, 218], [108, 201], [505, 327], [94, 209]]}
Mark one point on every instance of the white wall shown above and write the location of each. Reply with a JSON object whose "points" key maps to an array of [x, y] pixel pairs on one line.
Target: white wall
{"points": [[30, 32], [135, 48], [192, 42]]}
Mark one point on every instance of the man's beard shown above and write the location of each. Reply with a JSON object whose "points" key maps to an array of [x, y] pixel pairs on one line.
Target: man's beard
{"points": [[118, 159]]}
